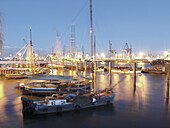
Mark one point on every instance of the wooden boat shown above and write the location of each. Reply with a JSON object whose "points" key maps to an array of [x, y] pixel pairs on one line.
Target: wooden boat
{"points": [[22, 75], [57, 103], [126, 70], [75, 88], [41, 93], [46, 87], [100, 69], [41, 88]]}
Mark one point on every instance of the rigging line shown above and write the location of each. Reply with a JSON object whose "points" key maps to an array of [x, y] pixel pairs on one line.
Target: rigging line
{"points": [[81, 9], [66, 30], [17, 53], [24, 53], [20, 50], [98, 28], [118, 82], [84, 39], [74, 19]]}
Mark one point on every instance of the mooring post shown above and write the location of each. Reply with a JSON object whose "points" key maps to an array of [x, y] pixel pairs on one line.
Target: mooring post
{"points": [[63, 63], [92, 83], [168, 76], [34, 66], [76, 67], [51, 65], [134, 76], [95, 65], [110, 64], [85, 68]]}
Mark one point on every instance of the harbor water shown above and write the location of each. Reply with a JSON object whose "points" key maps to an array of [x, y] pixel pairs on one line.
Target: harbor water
{"points": [[147, 107]]}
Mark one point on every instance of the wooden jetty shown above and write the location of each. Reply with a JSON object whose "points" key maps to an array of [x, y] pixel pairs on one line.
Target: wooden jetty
{"points": [[5, 71]]}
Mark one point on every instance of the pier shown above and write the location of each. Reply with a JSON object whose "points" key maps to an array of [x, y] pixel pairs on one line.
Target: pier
{"points": [[5, 71]]}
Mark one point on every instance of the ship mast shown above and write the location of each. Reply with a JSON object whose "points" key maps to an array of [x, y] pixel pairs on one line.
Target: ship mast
{"points": [[91, 34], [30, 51], [91, 29]]}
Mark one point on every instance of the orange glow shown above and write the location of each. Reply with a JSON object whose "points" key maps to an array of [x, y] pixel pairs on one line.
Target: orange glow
{"points": [[17, 106], [3, 100], [61, 73], [1, 90], [102, 81]]}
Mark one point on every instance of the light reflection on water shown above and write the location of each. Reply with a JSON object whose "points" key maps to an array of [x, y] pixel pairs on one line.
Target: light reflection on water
{"points": [[1, 89], [147, 107]]}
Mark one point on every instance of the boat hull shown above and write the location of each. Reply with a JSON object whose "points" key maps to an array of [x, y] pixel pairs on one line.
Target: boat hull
{"points": [[29, 107], [125, 71]]}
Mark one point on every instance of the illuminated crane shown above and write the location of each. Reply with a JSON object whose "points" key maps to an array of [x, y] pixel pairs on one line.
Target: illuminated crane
{"points": [[111, 52], [127, 51]]}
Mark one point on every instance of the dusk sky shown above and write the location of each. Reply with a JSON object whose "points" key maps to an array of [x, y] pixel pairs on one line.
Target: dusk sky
{"points": [[145, 24]]}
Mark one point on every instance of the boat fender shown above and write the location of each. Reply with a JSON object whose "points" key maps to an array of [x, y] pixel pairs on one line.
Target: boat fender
{"points": [[77, 106], [59, 109]]}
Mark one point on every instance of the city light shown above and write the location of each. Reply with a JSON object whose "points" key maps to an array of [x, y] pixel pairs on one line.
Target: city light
{"points": [[19, 54], [102, 55], [87, 56], [141, 54], [165, 54]]}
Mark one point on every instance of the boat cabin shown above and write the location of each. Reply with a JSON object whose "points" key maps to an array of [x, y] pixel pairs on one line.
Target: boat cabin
{"points": [[56, 100]]}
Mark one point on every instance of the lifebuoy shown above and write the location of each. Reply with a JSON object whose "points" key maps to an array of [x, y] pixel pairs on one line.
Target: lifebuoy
{"points": [[59, 109]]}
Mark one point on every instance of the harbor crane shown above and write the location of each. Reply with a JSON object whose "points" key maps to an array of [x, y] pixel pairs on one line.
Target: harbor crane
{"points": [[111, 51], [127, 50]]}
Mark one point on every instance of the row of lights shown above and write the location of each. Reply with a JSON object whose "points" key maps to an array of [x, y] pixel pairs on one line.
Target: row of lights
{"points": [[117, 56]]}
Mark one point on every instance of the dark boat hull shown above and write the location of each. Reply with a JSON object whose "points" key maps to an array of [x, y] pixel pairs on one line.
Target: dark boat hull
{"points": [[29, 107]]}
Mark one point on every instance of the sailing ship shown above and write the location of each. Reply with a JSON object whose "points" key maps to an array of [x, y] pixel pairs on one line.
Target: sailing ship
{"points": [[27, 72]]}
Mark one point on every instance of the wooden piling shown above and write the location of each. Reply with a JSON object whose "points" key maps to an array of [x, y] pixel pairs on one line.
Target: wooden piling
{"points": [[134, 76], [110, 64], [34, 66], [168, 76], [92, 83], [76, 67], [85, 68], [51, 65], [63, 63], [95, 65]]}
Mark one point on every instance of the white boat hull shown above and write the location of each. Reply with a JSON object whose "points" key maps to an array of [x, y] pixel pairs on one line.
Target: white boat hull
{"points": [[125, 71]]}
